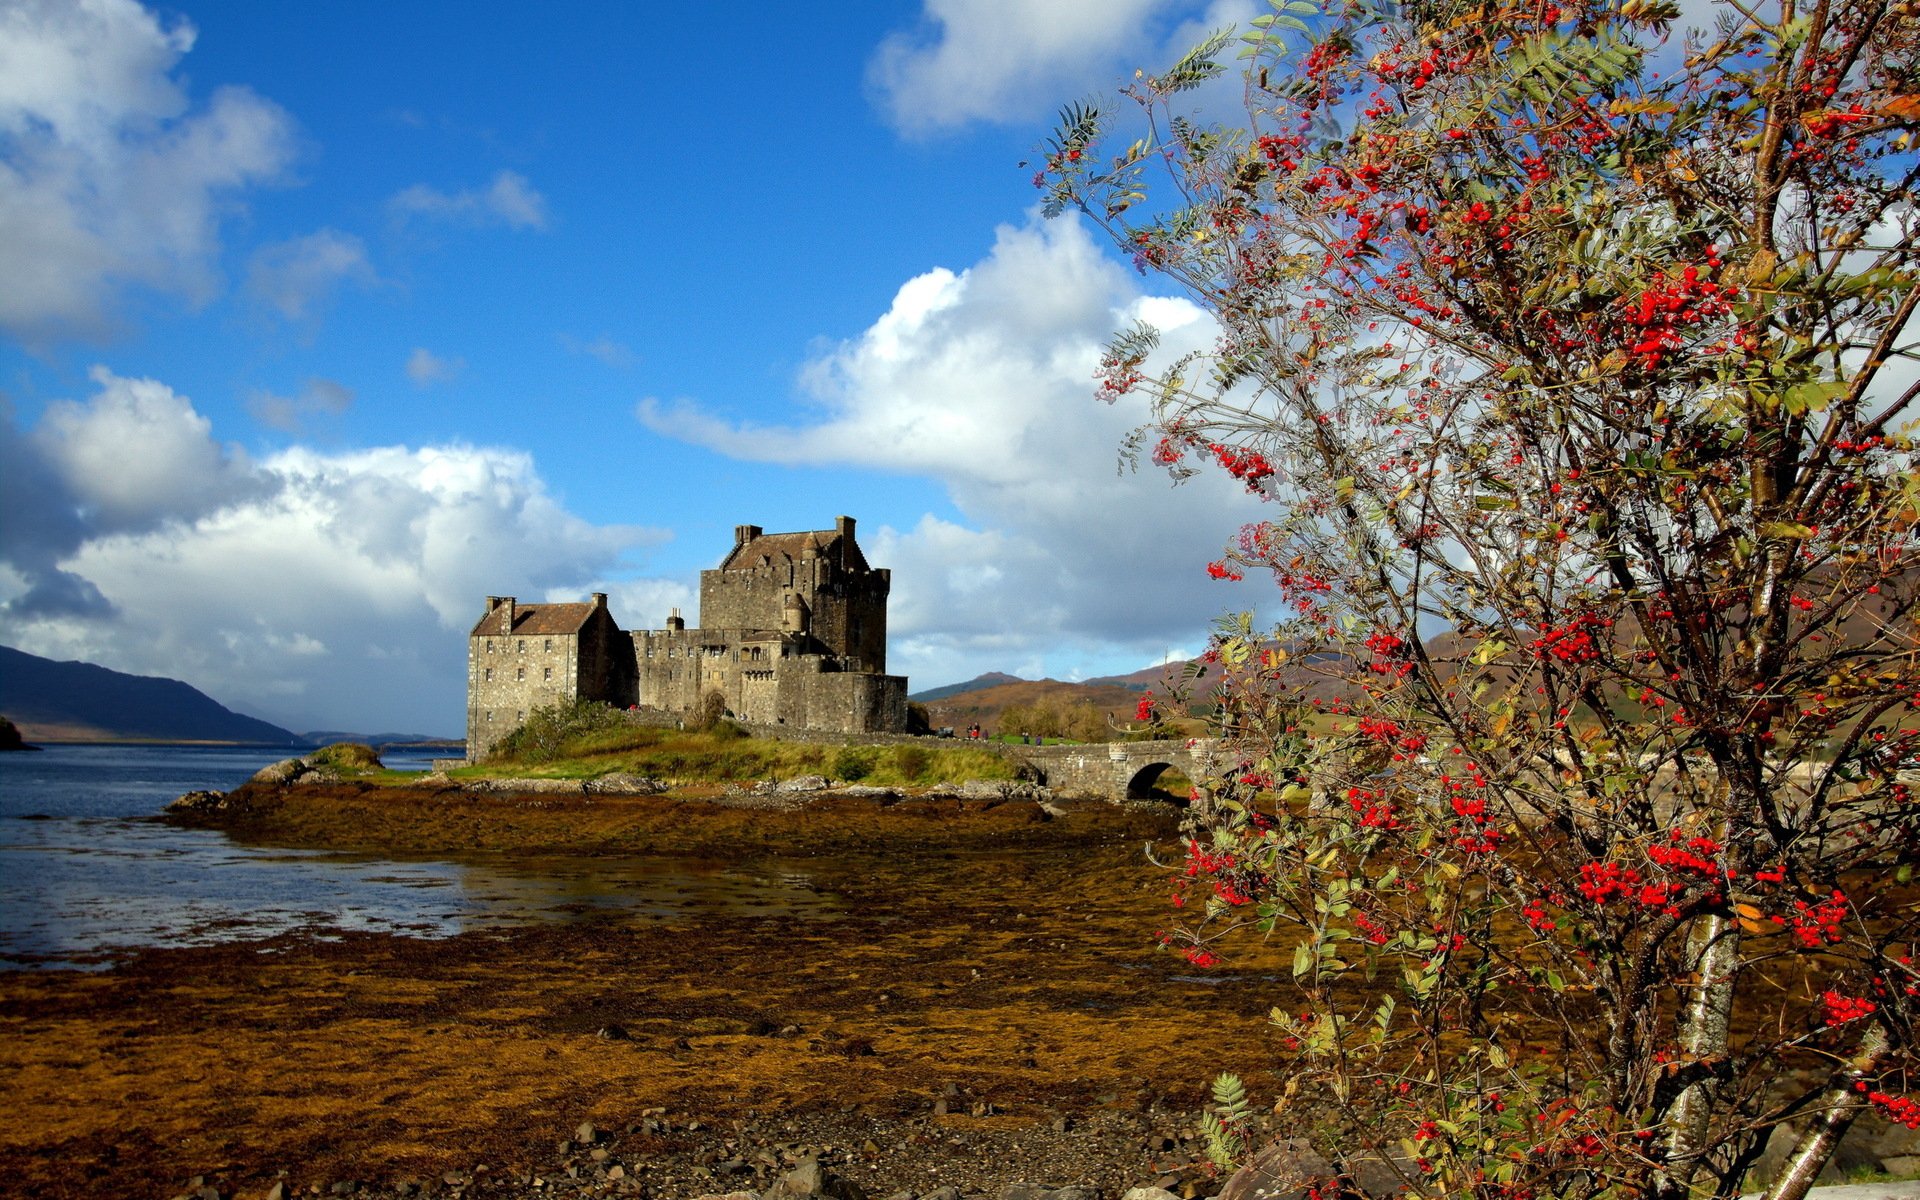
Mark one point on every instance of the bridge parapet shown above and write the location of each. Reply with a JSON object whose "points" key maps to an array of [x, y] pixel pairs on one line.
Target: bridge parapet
{"points": [[1117, 770]]}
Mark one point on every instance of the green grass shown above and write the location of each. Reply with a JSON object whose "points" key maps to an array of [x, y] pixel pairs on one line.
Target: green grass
{"points": [[725, 755], [347, 758]]}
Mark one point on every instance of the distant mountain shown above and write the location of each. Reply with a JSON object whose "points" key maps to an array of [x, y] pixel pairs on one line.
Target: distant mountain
{"points": [[327, 737], [1144, 678], [79, 702], [983, 705], [990, 679]]}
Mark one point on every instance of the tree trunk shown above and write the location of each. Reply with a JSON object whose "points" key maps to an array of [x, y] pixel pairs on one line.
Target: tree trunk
{"points": [[1836, 1112], [1709, 1021]]}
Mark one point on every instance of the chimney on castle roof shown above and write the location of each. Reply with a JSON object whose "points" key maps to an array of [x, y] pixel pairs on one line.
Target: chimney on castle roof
{"points": [[502, 604], [599, 599], [676, 622], [742, 534], [844, 527]]}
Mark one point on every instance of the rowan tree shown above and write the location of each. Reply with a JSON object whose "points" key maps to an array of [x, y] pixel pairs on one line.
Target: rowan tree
{"points": [[1577, 357]]}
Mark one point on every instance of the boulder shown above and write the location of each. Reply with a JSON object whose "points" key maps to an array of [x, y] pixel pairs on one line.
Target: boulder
{"points": [[199, 801], [803, 783], [1288, 1170], [286, 771], [810, 1180]]}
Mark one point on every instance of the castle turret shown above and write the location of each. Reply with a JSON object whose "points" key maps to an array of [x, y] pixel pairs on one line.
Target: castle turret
{"points": [[795, 616]]}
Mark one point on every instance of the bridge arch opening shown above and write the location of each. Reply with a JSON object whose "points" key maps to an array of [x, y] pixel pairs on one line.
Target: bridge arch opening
{"points": [[1159, 781]]}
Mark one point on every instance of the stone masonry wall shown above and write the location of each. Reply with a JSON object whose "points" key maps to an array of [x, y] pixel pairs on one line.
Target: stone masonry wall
{"points": [[508, 677]]}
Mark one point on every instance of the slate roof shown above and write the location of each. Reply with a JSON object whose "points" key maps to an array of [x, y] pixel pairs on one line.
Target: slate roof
{"points": [[774, 546], [535, 620]]}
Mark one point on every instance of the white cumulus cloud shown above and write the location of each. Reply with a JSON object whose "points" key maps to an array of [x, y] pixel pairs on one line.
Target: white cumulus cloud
{"points": [[1012, 60], [313, 589], [137, 455], [983, 380], [110, 176]]}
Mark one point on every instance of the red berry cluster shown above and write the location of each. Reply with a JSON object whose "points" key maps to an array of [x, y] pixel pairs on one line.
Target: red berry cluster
{"points": [[1841, 1009], [1656, 318], [1573, 642]]}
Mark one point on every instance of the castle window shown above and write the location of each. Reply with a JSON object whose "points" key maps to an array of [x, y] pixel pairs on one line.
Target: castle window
{"points": [[549, 646], [549, 673], [520, 673], [520, 715], [519, 645], [489, 715], [489, 674], [489, 645]]}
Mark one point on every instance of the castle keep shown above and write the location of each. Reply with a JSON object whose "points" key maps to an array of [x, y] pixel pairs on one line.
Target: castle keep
{"points": [[794, 633]]}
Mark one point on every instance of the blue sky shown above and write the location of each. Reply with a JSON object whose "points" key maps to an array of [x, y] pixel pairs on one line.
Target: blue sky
{"points": [[324, 321]]}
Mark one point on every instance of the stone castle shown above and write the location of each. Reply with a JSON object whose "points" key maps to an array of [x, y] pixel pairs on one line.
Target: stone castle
{"points": [[794, 633]]}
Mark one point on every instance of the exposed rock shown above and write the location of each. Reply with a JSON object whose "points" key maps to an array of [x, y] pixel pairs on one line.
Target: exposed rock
{"points": [[287, 770], [1034, 1191], [290, 771], [867, 789], [1286, 1170], [1000, 789], [1149, 1193], [1373, 1174], [810, 1179], [200, 801], [621, 783], [803, 783]]}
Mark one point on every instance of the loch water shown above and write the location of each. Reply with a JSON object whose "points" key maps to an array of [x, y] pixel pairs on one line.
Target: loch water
{"points": [[88, 872]]}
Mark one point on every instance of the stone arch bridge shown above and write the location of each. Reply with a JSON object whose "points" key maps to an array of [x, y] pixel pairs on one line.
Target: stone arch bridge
{"points": [[1117, 770]]}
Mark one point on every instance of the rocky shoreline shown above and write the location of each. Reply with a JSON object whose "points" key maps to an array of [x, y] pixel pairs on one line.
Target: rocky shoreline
{"points": [[1145, 1155], [979, 1006], [985, 1018]]}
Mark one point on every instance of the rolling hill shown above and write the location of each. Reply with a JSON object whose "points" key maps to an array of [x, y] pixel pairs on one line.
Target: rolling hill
{"points": [[80, 702]]}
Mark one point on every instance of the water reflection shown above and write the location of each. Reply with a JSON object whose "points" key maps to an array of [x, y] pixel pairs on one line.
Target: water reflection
{"points": [[85, 870], [75, 892]]}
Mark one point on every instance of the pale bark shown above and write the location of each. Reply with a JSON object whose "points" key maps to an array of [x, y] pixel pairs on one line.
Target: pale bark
{"points": [[1709, 1024], [1836, 1112]]}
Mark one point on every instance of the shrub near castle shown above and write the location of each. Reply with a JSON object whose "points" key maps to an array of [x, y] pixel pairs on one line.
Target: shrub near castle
{"points": [[1597, 355]]}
